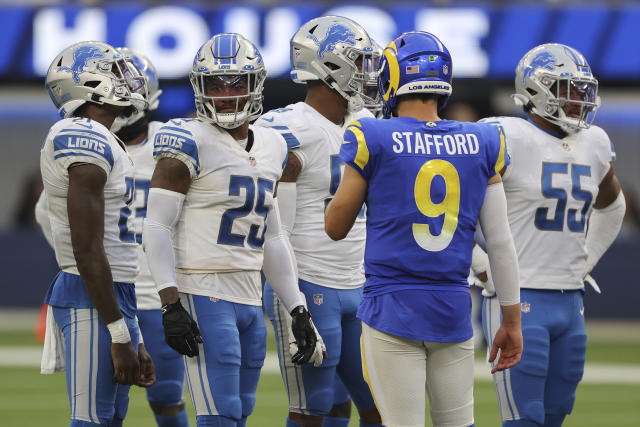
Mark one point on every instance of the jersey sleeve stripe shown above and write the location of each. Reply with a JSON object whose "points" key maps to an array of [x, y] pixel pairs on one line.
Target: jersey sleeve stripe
{"points": [[73, 153], [96, 134], [291, 140], [362, 155], [173, 153], [175, 129], [501, 155]]}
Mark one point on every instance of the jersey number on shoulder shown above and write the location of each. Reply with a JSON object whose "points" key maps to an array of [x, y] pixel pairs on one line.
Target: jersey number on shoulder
{"points": [[449, 206], [225, 235], [336, 164], [556, 223], [141, 191]]}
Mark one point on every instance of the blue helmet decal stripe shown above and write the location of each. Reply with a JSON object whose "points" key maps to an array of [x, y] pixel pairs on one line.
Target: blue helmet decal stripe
{"points": [[578, 58], [225, 49]]}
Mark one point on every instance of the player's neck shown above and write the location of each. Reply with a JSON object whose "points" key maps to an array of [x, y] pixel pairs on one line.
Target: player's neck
{"points": [[547, 125], [136, 140], [239, 133], [98, 113], [416, 108], [327, 102]]}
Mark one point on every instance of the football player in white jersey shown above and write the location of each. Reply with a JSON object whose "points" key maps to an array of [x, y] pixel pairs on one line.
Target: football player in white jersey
{"points": [[561, 175], [88, 180], [211, 211], [166, 396], [336, 59]]}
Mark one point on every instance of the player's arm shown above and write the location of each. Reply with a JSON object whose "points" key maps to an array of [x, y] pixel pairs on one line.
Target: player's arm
{"points": [[169, 184], [85, 206], [279, 267], [345, 206], [503, 261], [606, 219], [287, 193]]}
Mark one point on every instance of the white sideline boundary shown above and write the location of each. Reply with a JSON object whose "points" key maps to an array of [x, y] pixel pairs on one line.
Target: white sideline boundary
{"points": [[594, 373]]}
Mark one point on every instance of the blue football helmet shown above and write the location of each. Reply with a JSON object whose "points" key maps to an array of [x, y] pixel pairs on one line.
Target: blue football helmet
{"points": [[415, 62]]}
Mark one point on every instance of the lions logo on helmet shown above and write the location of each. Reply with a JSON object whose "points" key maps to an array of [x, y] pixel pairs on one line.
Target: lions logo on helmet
{"points": [[542, 60], [554, 81], [80, 58], [337, 34]]}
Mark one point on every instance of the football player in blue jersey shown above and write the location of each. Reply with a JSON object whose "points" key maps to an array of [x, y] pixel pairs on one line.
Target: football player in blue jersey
{"points": [[335, 58], [561, 174], [88, 180], [137, 131], [212, 224], [425, 182]]}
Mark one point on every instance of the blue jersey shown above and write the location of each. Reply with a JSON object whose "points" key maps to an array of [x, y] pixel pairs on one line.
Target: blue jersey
{"points": [[426, 185]]}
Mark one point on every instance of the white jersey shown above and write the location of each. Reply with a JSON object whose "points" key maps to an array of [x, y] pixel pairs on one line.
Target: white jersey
{"points": [[142, 155], [316, 141], [219, 237], [80, 140], [551, 185]]}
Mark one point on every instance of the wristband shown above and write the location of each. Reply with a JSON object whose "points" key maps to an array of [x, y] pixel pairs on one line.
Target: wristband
{"points": [[140, 340], [119, 332]]}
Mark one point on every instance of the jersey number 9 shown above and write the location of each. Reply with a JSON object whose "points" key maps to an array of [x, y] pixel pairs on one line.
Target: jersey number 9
{"points": [[449, 206]]}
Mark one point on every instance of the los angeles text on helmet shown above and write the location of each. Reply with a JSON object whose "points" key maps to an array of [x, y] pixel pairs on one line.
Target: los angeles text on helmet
{"points": [[422, 86], [424, 143]]}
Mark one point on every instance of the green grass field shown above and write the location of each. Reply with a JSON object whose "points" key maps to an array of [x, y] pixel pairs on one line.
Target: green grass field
{"points": [[30, 399]]}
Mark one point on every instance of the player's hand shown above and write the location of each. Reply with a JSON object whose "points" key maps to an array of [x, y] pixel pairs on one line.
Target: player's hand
{"points": [[126, 367], [180, 330], [508, 340], [147, 370], [308, 345]]}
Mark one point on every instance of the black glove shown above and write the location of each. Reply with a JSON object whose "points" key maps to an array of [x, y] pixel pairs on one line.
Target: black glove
{"points": [[180, 330], [304, 334]]}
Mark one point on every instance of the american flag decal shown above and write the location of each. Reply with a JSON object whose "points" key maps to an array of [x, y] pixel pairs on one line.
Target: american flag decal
{"points": [[413, 69]]}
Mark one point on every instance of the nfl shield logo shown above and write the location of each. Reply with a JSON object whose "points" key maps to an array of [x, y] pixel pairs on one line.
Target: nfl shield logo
{"points": [[445, 69], [252, 160], [525, 307], [318, 299]]}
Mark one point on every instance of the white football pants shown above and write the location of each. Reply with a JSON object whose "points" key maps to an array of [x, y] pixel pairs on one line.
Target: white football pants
{"points": [[399, 370]]}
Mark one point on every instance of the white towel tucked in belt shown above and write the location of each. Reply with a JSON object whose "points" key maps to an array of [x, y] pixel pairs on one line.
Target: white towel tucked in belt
{"points": [[53, 351]]}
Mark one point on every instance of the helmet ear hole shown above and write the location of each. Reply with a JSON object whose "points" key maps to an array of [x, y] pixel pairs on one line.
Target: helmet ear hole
{"points": [[332, 66], [93, 83], [532, 92]]}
